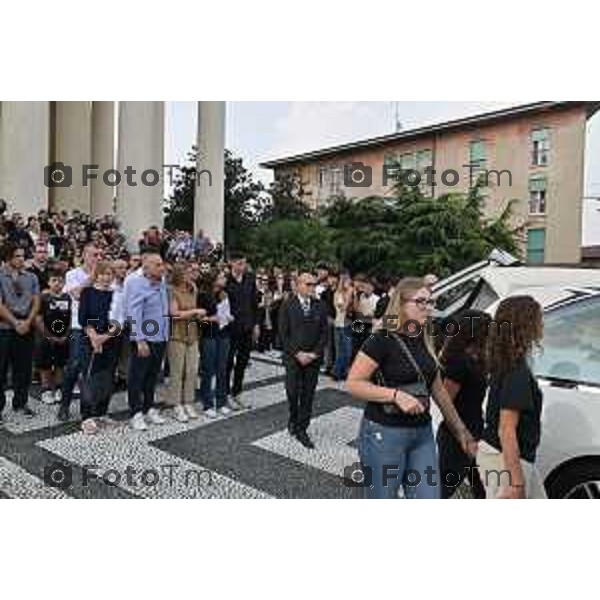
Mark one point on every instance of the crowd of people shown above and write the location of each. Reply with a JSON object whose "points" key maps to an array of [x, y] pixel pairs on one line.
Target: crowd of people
{"points": [[83, 312]]}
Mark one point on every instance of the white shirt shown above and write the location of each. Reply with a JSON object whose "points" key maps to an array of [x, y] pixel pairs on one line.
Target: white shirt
{"points": [[224, 313], [75, 278], [367, 305], [117, 307]]}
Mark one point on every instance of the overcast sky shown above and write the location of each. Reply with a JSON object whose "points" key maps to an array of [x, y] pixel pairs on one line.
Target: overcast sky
{"points": [[257, 131]]}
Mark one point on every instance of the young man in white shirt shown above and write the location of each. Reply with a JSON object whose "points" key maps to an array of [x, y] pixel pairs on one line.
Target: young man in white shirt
{"points": [[75, 281]]}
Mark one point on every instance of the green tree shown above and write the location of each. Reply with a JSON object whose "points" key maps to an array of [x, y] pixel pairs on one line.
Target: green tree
{"points": [[245, 199], [290, 243], [407, 233]]}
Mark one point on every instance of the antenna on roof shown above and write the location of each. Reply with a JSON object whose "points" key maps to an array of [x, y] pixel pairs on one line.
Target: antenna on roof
{"points": [[397, 122]]}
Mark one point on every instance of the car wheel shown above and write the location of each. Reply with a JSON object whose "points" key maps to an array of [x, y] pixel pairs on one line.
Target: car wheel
{"points": [[575, 480]]}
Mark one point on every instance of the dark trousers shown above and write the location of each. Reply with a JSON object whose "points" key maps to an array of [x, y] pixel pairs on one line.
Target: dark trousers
{"points": [[142, 376], [16, 351], [362, 332], [452, 461], [239, 355], [330, 348], [265, 341], [97, 385], [214, 357], [300, 385], [75, 365]]}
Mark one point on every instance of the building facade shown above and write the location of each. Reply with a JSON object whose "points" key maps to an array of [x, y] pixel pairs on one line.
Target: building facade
{"points": [[110, 138], [533, 154]]}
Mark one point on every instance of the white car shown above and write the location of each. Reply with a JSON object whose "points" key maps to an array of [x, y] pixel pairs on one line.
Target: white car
{"points": [[568, 368]]}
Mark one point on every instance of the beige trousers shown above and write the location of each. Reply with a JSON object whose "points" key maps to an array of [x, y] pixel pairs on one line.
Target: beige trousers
{"points": [[183, 374], [494, 475]]}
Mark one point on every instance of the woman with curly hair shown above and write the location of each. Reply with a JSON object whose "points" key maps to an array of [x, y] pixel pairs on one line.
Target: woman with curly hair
{"points": [[464, 363], [513, 417]]}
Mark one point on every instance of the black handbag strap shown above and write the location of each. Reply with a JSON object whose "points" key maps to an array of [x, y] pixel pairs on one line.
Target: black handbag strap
{"points": [[411, 358]]}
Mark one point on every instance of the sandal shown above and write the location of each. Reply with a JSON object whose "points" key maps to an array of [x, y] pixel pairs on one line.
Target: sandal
{"points": [[89, 427]]}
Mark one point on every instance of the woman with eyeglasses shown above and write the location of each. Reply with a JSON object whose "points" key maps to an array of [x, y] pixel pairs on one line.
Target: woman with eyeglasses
{"points": [[396, 373]]}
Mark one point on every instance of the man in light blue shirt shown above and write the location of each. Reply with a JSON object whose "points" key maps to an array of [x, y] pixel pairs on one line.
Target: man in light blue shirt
{"points": [[147, 315]]}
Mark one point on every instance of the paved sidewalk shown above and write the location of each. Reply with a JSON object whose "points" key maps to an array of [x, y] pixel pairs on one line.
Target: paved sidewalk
{"points": [[248, 454]]}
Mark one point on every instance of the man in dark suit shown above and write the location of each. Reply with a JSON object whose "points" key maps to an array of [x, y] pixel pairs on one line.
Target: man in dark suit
{"points": [[243, 300], [303, 331]]}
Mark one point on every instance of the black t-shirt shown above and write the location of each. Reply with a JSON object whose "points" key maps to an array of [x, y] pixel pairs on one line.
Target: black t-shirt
{"points": [[208, 302], [94, 309], [464, 370], [395, 370], [41, 274], [517, 390], [56, 314]]}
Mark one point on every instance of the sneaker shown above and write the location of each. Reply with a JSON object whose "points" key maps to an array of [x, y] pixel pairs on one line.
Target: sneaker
{"points": [[211, 413], [154, 418], [89, 427], [191, 411], [138, 423], [224, 411], [57, 396], [48, 397], [180, 414], [231, 405]]}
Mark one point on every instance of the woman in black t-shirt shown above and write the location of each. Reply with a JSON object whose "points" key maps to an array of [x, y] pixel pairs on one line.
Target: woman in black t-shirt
{"points": [[396, 373], [465, 377], [513, 416]]}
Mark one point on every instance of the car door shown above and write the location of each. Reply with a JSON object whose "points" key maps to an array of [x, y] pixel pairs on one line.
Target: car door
{"points": [[568, 370]]}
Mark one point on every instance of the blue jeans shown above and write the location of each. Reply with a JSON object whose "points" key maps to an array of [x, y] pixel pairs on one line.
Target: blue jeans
{"points": [[398, 456], [213, 363], [343, 352], [75, 365]]}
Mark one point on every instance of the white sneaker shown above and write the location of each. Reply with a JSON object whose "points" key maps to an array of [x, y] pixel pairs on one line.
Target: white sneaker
{"points": [[138, 423], [58, 396], [180, 414], [47, 397], [243, 405], [224, 410], [192, 413], [153, 417], [232, 405], [211, 413]]}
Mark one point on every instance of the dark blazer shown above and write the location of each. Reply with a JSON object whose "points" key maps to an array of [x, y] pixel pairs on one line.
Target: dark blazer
{"points": [[303, 333]]}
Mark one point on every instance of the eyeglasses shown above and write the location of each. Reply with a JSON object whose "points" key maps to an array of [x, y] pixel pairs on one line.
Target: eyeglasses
{"points": [[311, 285], [422, 303]]}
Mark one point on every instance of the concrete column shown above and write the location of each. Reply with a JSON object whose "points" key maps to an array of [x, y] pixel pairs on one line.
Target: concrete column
{"points": [[209, 205], [141, 147], [24, 152], [103, 155], [72, 145]]}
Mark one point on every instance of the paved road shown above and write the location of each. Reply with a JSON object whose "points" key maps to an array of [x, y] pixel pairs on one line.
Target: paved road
{"points": [[246, 455]]}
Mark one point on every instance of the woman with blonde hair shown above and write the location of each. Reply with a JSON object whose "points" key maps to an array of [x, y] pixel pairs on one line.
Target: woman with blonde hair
{"points": [[183, 343], [396, 373]]}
